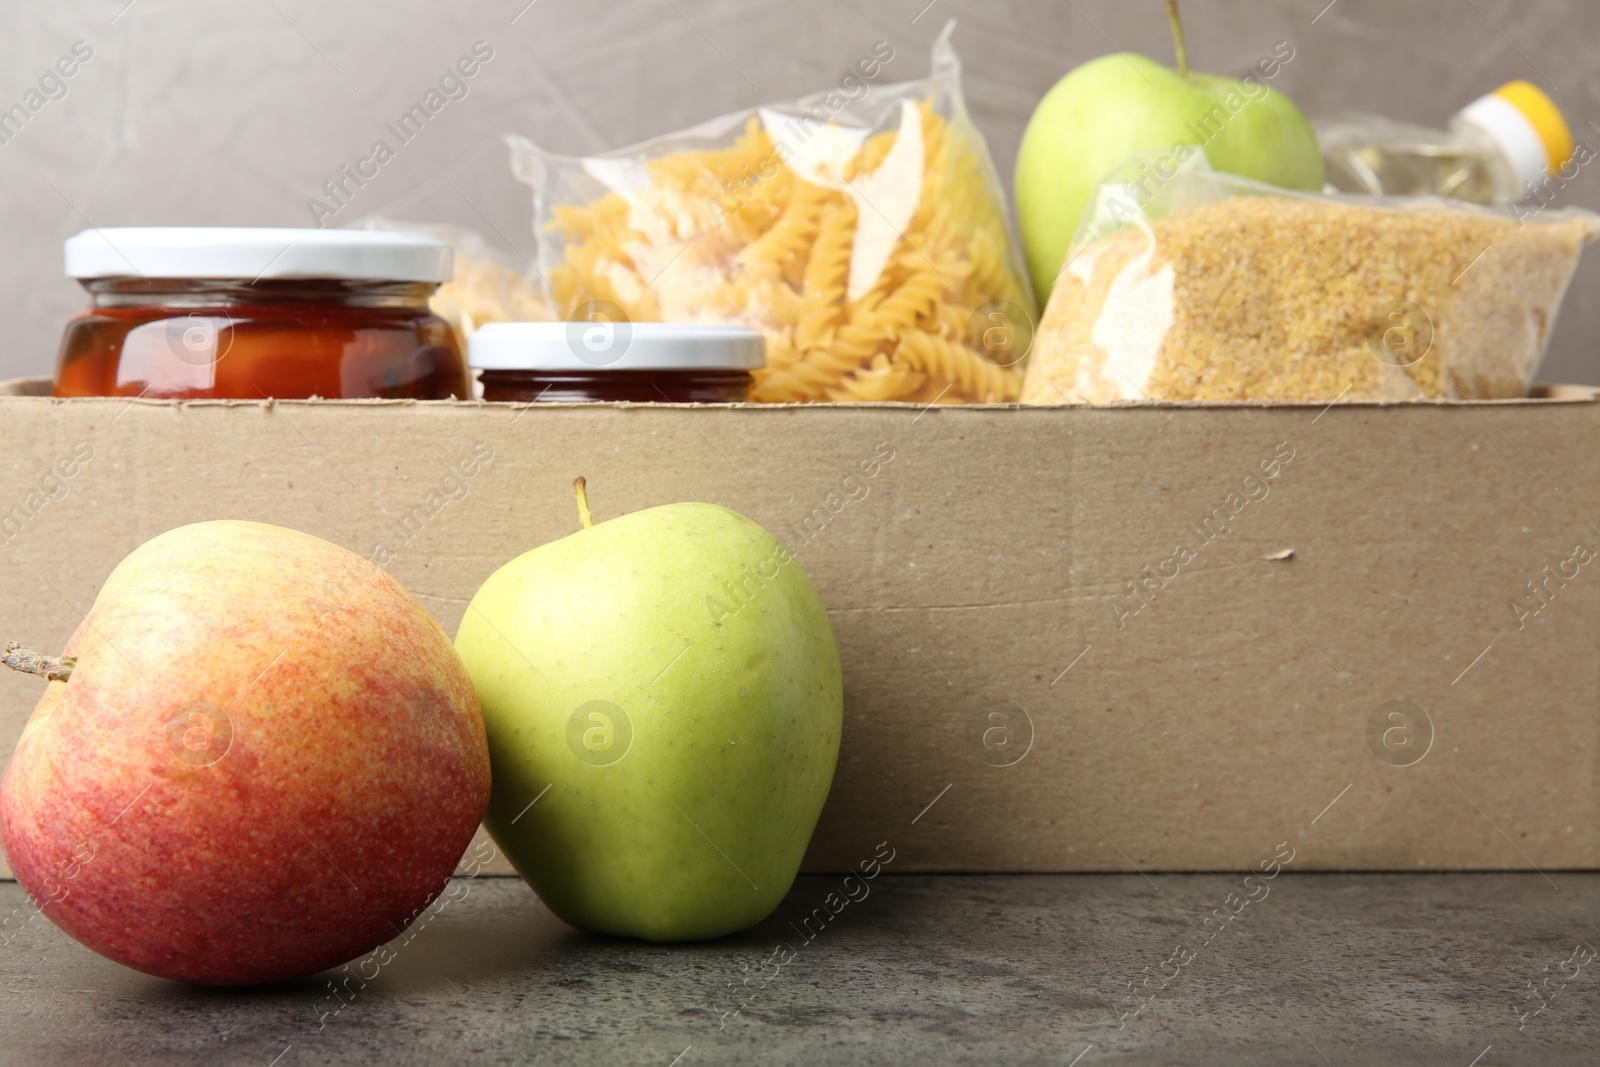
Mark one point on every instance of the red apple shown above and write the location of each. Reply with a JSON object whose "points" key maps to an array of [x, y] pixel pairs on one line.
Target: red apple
{"points": [[266, 759]]}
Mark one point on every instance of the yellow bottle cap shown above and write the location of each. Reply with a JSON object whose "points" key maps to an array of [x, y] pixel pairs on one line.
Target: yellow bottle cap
{"points": [[1545, 118], [1526, 126]]}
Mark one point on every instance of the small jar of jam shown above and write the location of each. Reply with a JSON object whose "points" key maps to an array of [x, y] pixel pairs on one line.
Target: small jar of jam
{"points": [[192, 313], [611, 359]]}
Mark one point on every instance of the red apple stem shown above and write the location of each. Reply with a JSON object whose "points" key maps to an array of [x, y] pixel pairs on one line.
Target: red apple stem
{"points": [[26, 660], [1177, 38], [585, 516]]}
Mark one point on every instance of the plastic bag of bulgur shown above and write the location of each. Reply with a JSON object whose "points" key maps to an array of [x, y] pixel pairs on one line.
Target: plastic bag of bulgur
{"points": [[1185, 283]]}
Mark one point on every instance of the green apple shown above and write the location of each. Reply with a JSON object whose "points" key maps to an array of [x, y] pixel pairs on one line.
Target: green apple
{"points": [[663, 702], [1117, 105]]}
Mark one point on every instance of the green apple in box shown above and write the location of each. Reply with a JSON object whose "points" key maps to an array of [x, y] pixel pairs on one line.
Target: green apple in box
{"points": [[663, 702], [1121, 104]]}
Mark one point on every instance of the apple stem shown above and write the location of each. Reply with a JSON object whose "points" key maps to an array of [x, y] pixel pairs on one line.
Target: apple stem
{"points": [[585, 516], [1177, 38], [26, 660]]}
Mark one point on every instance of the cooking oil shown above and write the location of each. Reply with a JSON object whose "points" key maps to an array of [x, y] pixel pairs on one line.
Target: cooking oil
{"points": [[1495, 151]]}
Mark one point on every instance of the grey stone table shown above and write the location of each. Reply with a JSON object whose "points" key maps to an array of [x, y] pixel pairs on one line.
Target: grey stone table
{"points": [[1456, 969]]}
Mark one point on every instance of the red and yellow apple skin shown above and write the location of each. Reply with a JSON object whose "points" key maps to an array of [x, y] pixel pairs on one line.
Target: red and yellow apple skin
{"points": [[267, 759]]}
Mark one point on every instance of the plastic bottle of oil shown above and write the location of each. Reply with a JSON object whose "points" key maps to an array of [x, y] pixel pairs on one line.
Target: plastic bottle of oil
{"points": [[1496, 151]]}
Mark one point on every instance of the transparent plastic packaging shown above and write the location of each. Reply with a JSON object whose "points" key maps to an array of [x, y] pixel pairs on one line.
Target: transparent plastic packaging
{"points": [[489, 285], [1207, 286], [863, 230]]}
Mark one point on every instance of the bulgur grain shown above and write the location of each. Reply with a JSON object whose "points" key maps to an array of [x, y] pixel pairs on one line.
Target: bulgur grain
{"points": [[1290, 298]]}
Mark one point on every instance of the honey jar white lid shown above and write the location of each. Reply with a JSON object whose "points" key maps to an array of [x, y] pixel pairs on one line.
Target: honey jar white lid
{"points": [[257, 253], [612, 343]]}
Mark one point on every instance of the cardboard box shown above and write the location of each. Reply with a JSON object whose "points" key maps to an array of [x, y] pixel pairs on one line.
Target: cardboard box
{"points": [[1055, 658]]}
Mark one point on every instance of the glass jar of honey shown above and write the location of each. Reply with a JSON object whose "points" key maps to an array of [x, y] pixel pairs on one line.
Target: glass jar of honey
{"points": [[607, 358], [193, 313]]}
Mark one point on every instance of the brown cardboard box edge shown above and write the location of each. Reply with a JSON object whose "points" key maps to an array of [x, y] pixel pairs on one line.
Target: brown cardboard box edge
{"points": [[1144, 636], [41, 387]]}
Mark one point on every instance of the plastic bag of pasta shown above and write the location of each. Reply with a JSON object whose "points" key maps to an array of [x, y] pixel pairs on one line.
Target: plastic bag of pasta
{"points": [[862, 229], [1185, 283], [489, 285]]}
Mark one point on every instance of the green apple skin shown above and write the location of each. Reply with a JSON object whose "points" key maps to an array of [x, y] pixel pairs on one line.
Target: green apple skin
{"points": [[1116, 105], [705, 632]]}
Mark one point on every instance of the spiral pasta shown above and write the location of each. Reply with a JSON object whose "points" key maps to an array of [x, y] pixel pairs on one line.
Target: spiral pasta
{"points": [[737, 235]]}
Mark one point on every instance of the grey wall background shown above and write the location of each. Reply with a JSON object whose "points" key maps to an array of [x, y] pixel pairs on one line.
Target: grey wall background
{"points": [[235, 113]]}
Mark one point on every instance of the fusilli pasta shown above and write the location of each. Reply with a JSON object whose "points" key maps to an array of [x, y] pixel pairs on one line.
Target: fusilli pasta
{"points": [[736, 235]]}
